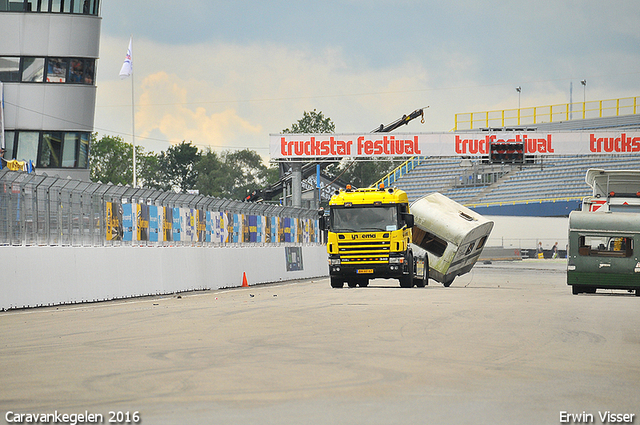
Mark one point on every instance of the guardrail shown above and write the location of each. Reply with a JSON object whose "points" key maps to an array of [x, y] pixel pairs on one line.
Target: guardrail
{"points": [[36, 209], [399, 171], [546, 114], [523, 201]]}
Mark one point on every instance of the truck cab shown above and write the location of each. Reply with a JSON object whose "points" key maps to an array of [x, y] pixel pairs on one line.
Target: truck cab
{"points": [[369, 236]]}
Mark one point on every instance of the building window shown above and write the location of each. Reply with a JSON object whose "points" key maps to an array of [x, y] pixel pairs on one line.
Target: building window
{"points": [[70, 150], [49, 70], [81, 71], [83, 151], [32, 70], [57, 70], [9, 69], [9, 137], [84, 7], [49, 149], [27, 148]]}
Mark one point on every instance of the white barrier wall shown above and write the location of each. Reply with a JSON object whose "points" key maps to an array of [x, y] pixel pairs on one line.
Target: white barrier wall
{"points": [[38, 276]]}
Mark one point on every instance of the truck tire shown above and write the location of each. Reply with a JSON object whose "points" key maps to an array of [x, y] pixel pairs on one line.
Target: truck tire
{"points": [[448, 282], [406, 281], [425, 274], [336, 282], [352, 283]]}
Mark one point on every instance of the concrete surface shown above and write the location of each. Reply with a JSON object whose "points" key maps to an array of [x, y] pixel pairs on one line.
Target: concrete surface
{"points": [[506, 343]]}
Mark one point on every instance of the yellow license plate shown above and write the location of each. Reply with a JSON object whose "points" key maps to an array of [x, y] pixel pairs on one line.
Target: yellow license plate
{"points": [[364, 271]]}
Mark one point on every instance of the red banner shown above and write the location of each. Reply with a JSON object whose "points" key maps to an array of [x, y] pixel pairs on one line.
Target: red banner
{"points": [[303, 146]]}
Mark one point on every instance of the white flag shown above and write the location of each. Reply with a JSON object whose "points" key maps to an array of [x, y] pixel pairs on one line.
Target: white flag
{"points": [[127, 66]]}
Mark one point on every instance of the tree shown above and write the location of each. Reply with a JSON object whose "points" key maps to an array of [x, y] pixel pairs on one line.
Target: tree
{"points": [[177, 167], [215, 178], [312, 122], [232, 174], [110, 160]]}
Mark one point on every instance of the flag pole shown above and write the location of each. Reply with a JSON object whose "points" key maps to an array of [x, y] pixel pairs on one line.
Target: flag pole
{"points": [[2, 142], [133, 120]]}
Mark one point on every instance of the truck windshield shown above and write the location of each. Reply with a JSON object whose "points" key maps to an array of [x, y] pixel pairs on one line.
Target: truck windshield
{"points": [[364, 219]]}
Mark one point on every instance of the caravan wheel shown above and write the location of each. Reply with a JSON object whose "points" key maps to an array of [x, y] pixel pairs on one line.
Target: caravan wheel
{"points": [[425, 274]]}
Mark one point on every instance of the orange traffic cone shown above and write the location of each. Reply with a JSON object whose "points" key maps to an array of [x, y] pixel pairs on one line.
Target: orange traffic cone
{"points": [[244, 279]]}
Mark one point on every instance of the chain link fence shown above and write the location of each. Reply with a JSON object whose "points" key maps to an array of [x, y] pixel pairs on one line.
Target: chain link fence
{"points": [[41, 210]]}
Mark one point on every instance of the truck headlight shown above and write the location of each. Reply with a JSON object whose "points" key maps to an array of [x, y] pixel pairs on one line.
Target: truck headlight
{"points": [[334, 261], [396, 260]]}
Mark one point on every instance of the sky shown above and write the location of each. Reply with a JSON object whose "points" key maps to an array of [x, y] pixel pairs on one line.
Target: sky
{"points": [[226, 74]]}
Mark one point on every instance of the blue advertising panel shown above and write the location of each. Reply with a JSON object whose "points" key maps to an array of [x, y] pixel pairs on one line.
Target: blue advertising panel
{"points": [[236, 228], [177, 228], [287, 230], [253, 228], [127, 222], [208, 226], [153, 223]]}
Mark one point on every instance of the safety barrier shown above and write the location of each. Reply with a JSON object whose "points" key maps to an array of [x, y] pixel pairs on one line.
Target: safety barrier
{"points": [[40, 210], [521, 201], [548, 113], [399, 171]]}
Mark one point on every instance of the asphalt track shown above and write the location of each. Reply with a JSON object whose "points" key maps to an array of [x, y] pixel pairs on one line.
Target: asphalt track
{"points": [[505, 344]]}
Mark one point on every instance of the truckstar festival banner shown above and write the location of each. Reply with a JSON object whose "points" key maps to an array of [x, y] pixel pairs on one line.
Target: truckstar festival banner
{"points": [[302, 146]]}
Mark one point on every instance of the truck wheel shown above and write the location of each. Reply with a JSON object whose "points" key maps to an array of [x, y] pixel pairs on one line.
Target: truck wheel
{"points": [[425, 274], [352, 283], [637, 292], [336, 282], [575, 289], [448, 282], [364, 283], [406, 281]]}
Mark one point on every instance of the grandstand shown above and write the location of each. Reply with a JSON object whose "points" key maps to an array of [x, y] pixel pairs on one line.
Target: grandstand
{"points": [[552, 186], [546, 186]]}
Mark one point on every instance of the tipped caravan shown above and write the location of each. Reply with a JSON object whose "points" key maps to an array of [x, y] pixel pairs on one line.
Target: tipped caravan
{"points": [[452, 236]]}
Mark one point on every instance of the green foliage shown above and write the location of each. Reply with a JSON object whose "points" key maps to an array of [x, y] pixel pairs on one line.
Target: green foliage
{"points": [[177, 167], [110, 160], [230, 174], [312, 122], [215, 178]]}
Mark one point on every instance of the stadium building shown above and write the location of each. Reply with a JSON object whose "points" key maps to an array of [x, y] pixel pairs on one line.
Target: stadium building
{"points": [[48, 58]]}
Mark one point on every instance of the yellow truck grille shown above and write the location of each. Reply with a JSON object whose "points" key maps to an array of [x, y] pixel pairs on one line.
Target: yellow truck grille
{"points": [[364, 252]]}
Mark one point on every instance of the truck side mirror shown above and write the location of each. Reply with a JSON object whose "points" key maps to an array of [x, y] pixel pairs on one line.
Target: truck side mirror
{"points": [[408, 219], [322, 219]]}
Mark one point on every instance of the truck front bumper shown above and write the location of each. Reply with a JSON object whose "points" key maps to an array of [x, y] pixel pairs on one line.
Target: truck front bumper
{"points": [[371, 271]]}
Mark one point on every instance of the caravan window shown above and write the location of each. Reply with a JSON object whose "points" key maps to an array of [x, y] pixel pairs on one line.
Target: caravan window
{"points": [[429, 242], [606, 246]]}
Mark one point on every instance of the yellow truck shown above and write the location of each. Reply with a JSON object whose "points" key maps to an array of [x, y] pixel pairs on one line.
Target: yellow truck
{"points": [[371, 234]]}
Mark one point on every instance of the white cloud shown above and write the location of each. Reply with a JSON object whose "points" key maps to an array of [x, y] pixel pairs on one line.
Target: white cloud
{"points": [[230, 93]]}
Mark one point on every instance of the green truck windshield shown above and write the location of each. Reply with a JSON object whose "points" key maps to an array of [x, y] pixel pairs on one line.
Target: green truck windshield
{"points": [[364, 219]]}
